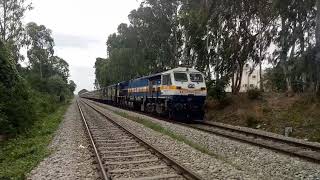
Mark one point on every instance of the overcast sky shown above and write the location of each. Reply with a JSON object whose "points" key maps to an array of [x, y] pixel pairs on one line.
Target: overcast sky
{"points": [[80, 29]]}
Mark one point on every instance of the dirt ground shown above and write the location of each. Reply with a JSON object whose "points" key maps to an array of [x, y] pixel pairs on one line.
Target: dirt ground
{"points": [[272, 112]]}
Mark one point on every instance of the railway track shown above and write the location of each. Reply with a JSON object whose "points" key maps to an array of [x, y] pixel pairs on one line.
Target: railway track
{"points": [[123, 155], [291, 146]]}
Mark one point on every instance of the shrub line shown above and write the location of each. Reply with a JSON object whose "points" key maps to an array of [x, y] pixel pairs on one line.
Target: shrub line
{"points": [[21, 154]]}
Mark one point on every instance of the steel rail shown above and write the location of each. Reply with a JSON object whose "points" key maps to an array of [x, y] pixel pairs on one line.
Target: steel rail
{"points": [[287, 140], [184, 171], [101, 166], [286, 146], [290, 149]]}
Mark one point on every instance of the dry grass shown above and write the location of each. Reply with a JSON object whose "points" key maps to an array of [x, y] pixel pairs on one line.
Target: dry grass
{"points": [[272, 113]]}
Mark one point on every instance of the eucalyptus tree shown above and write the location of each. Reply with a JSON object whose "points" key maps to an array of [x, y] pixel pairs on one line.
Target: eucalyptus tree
{"points": [[157, 26], [318, 46], [58, 66], [294, 28], [217, 37], [225, 35], [72, 86], [11, 26], [150, 43], [194, 19], [318, 24], [40, 47]]}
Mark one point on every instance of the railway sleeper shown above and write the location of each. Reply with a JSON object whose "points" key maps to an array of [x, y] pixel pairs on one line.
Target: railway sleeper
{"points": [[136, 165], [124, 153], [142, 172], [133, 162], [159, 177]]}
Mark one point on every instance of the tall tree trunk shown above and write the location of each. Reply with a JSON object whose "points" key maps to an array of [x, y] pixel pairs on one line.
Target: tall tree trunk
{"points": [[284, 53], [317, 47], [40, 67], [260, 67], [4, 27], [260, 74], [318, 24]]}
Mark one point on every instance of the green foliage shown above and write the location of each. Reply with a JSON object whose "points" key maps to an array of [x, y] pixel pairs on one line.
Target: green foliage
{"points": [[297, 86], [38, 90], [216, 89], [16, 107], [40, 50], [150, 43], [20, 155], [72, 86], [252, 121], [11, 25], [275, 79], [58, 87], [220, 36], [254, 94]]}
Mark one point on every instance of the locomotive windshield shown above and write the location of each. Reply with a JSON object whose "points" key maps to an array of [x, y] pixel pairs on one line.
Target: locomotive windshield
{"points": [[182, 77], [196, 78]]}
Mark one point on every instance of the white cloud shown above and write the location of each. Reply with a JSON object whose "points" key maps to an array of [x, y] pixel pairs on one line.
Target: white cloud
{"points": [[72, 41], [80, 29]]}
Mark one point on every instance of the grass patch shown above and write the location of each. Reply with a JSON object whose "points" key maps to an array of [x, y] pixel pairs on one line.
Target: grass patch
{"points": [[20, 155], [158, 128]]}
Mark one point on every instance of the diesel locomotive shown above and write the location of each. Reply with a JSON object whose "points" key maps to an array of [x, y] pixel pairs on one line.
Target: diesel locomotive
{"points": [[179, 93]]}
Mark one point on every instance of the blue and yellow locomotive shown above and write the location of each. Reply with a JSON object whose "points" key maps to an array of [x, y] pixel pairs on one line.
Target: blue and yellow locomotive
{"points": [[178, 93]]}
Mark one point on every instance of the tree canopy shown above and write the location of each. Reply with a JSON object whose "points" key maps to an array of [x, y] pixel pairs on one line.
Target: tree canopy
{"points": [[28, 93], [217, 37]]}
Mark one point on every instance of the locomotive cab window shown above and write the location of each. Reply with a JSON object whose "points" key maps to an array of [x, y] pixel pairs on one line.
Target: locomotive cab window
{"points": [[166, 79], [181, 77], [196, 78]]}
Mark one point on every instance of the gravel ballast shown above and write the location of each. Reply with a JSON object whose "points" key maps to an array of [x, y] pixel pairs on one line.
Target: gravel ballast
{"points": [[71, 157], [119, 161], [232, 159], [203, 164]]}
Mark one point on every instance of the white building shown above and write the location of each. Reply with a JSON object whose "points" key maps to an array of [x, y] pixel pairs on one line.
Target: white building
{"points": [[249, 80]]}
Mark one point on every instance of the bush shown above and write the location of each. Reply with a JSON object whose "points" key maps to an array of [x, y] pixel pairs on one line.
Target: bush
{"points": [[252, 122], [225, 102], [254, 94], [275, 79], [216, 89], [297, 86], [17, 108]]}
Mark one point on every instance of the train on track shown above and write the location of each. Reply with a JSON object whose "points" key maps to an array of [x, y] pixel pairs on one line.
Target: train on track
{"points": [[179, 93]]}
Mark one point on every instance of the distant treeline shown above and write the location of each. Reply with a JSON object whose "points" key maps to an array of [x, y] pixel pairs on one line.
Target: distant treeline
{"points": [[28, 93], [218, 37]]}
